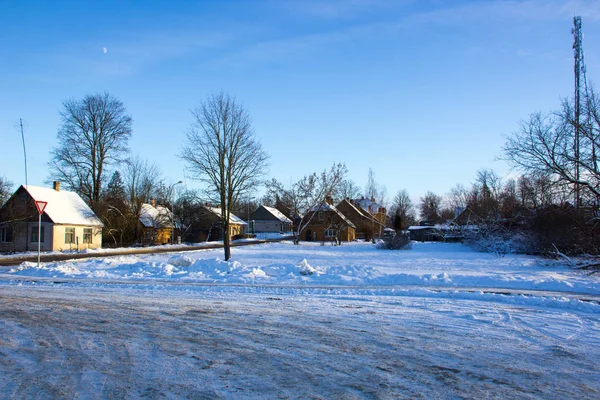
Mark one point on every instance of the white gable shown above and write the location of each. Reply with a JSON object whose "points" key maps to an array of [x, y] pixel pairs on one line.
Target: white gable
{"points": [[156, 217], [233, 219], [278, 214], [64, 207]]}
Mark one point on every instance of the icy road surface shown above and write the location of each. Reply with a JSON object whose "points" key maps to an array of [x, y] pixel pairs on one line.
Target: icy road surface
{"points": [[71, 341]]}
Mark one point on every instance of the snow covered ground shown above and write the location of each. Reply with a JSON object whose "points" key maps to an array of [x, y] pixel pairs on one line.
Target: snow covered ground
{"points": [[308, 321]]}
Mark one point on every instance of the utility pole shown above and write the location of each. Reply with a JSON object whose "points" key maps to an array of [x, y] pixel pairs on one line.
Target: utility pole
{"points": [[579, 80]]}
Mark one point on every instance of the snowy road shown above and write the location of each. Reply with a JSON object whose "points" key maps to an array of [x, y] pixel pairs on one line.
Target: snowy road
{"points": [[69, 341]]}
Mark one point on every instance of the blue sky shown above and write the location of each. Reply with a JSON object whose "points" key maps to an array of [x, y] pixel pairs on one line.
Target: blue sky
{"points": [[422, 92]]}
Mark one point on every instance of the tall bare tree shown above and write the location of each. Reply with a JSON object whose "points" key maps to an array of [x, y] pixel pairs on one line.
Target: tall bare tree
{"points": [[402, 210], [545, 143], [222, 152], [94, 134], [142, 178]]}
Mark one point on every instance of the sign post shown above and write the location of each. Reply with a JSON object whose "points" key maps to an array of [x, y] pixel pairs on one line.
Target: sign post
{"points": [[40, 205]]}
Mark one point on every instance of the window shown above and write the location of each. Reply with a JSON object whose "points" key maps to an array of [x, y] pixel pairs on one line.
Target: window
{"points": [[320, 216], [330, 232], [6, 235], [69, 235], [34, 234], [87, 235]]}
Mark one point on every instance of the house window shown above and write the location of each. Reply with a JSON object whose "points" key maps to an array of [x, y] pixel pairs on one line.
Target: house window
{"points": [[87, 235], [330, 232], [320, 216], [69, 235], [6, 235], [34, 234]]}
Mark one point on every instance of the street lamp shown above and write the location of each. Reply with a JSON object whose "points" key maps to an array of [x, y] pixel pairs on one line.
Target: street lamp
{"points": [[173, 210]]}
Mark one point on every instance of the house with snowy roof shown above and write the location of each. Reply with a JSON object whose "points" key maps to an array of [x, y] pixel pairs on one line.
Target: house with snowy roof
{"points": [[210, 227], [68, 223], [269, 220], [367, 226], [156, 223], [370, 206], [326, 222]]}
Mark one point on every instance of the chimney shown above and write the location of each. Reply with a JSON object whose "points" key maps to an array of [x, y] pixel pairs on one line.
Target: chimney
{"points": [[56, 186], [153, 202], [329, 200]]}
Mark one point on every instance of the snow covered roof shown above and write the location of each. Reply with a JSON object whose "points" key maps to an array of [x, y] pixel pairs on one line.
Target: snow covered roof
{"points": [[156, 216], [233, 219], [324, 206], [362, 212], [278, 214], [64, 207], [365, 204]]}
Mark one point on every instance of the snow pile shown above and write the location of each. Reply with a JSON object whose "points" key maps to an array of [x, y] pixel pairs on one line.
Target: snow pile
{"points": [[181, 260], [305, 268]]}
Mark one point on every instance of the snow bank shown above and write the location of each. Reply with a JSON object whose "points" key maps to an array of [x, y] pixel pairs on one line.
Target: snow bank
{"points": [[444, 265]]}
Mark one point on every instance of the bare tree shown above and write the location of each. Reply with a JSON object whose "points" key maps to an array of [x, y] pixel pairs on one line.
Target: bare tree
{"points": [[402, 210], [142, 179], [430, 207], [5, 190], [348, 190], [221, 152], [307, 194], [545, 143], [375, 191], [94, 134]]}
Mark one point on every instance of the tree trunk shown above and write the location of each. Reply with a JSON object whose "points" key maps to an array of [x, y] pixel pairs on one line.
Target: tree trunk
{"points": [[226, 243]]}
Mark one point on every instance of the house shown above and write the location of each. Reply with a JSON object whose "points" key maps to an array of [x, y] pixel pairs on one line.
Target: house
{"points": [[327, 223], [367, 226], [68, 223], [210, 225], [374, 209], [156, 223], [425, 233], [269, 220]]}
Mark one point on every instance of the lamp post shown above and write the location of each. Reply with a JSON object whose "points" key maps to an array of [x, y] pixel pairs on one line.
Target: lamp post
{"points": [[173, 210]]}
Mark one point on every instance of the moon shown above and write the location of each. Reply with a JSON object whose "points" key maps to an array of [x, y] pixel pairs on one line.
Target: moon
{"points": [[104, 50]]}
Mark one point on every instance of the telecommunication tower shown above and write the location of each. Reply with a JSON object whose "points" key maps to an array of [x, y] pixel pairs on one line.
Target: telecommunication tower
{"points": [[580, 81]]}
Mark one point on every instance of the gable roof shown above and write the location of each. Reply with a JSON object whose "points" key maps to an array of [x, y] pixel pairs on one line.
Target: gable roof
{"points": [[365, 204], [64, 207], [360, 211], [277, 214], [325, 206], [156, 217], [233, 219]]}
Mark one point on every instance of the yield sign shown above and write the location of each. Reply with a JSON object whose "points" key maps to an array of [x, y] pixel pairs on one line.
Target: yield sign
{"points": [[41, 205]]}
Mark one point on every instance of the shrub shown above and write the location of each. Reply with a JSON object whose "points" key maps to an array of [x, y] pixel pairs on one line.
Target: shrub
{"points": [[396, 242]]}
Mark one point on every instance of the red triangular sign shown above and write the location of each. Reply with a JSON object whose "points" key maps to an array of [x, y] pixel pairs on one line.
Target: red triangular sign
{"points": [[41, 205]]}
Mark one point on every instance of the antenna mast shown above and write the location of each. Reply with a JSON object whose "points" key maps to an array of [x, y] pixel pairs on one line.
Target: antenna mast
{"points": [[579, 79], [24, 152]]}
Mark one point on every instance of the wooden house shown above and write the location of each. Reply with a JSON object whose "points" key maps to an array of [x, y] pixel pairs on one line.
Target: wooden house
{"points": [[269, 220], [367, 226], [327, 223], [210, 227], [68, 223], [156, 224]]}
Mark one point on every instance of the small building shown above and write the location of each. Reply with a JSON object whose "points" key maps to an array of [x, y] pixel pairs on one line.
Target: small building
{"points": [[425, 233], [211, 228], [367, 226], [269, 220], [156, 224], [327, 223], [68, 223]]}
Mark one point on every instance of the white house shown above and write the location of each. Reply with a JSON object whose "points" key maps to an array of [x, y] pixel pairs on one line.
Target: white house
{"points": [[68, 223]]}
